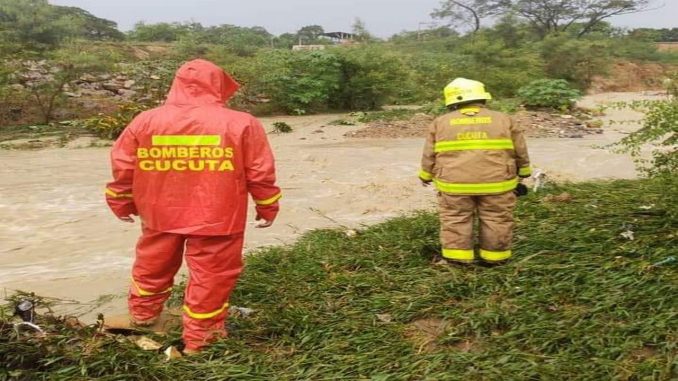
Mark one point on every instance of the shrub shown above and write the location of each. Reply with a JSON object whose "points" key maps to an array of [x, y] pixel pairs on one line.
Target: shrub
{"points": [[660, 129], [111, 126], [300, 82], [551, 93], [371, 77]]}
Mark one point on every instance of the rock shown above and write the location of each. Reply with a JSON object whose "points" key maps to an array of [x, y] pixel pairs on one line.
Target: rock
{"points": [[127, 94], [129, 83], [89, 78], [72, 95], [155, 77], [112, 86], [567, 116]]}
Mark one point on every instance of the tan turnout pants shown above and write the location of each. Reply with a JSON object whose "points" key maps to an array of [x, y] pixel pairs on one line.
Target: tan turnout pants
{"points": [[495, 213]]}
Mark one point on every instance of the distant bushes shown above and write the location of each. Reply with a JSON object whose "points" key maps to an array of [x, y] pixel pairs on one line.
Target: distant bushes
{"points": [[550, 93]]}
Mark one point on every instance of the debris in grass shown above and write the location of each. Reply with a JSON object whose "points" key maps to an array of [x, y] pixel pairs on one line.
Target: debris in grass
{"points": [[172, 353], [385, 318], [668, 261], [424, 333], [629, 234], [147, 344], [564, 197], [241, 311], [539, 178]]}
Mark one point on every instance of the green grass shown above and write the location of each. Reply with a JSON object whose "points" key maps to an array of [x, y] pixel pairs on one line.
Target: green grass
{"points": [[578, 302]]}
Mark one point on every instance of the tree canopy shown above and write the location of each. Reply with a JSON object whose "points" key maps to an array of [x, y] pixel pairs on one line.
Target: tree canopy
{"points": [[38, 25], [545, 16]]}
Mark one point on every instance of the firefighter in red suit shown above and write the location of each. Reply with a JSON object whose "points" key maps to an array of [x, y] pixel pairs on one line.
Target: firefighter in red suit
{"points": [[186, 169]]}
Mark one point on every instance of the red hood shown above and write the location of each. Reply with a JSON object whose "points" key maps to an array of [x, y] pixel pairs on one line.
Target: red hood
{"points": [[201, 82]]}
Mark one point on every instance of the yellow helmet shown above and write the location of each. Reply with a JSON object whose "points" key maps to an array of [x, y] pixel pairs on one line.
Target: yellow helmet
{"points": [[463, 90]]}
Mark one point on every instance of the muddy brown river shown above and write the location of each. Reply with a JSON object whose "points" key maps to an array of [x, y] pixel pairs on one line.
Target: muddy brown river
{"points": [[58, 239]]}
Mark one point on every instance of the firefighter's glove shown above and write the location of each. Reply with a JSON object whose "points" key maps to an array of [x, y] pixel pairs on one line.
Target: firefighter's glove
{"points": [[521, 190]]}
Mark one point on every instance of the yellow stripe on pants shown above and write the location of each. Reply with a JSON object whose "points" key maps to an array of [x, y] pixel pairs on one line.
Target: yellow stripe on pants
{"points": [[204, 316]]}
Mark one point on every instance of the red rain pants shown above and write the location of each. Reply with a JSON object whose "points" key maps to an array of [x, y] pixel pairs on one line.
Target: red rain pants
{"points": [[214, 265]]}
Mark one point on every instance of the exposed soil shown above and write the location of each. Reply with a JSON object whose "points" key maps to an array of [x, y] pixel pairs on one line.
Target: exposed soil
{"points": [[424, 334], [627, 76]]}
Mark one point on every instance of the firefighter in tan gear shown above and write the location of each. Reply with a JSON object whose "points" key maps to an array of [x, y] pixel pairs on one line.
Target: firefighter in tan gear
{"points": [[474, 156]]}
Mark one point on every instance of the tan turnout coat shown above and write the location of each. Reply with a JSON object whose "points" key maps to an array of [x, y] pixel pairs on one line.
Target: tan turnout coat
{"points": [[475, 151]]}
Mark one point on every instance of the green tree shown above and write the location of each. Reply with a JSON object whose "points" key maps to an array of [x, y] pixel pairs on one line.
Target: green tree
{"points": [[660, 130], [371, 77], [87, 26], [310, 34], [301, 82], [360, 31], [27, 25], [576, 60], [467, 12], [545, 16], [160, 32]]}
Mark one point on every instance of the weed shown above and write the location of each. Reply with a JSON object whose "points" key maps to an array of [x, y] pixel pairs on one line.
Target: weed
{"points": [[282, 128]]}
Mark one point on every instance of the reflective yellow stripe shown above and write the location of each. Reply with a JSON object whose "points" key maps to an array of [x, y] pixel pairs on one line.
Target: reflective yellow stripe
{"points": [[467, 145], [118, 195], [269, 201], [488, 188], [204, 316], [471, 120], [525, 171], [143, 292], [458, 255], [495, 256], [426, 176], [186, 140]]}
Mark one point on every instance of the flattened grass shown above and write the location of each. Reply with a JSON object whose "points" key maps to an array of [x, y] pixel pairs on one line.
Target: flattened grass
{"points": [[578, 302]]}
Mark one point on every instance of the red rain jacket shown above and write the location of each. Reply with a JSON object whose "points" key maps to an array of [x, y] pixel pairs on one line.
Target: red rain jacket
{"points": [[187, 167]]}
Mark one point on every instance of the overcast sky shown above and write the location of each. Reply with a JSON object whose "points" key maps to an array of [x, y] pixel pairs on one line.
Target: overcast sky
{"points": [[382, 17]]}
